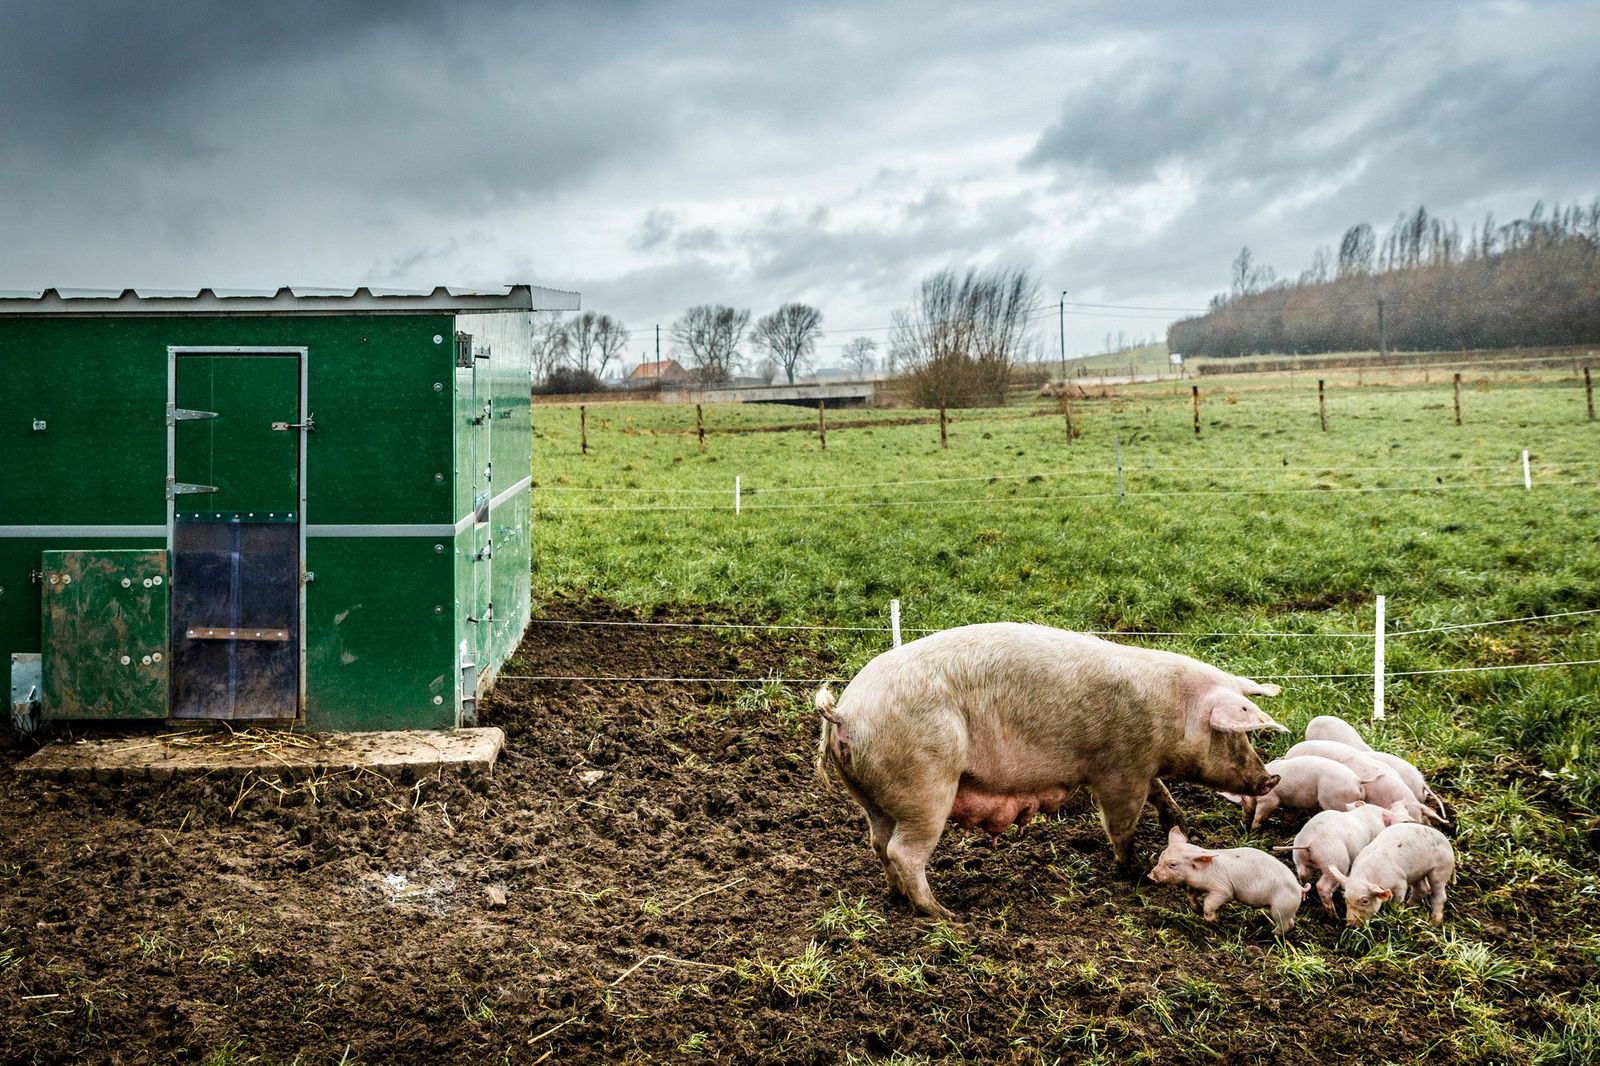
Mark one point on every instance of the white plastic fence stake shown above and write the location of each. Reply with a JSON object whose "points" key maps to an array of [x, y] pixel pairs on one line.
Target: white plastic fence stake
{"points": [[736, 500], [894, 620], [1377, 664], [1527, 473]]}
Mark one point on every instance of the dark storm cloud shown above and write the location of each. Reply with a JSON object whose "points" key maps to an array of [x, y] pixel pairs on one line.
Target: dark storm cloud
{"points": [[672, 153]]}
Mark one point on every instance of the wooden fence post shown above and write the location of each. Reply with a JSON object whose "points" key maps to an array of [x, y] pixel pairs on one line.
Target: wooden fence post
{"points": [[1458, 397], [1196, 397], [583, 426], [700, 427], [1066, 409], [822, 426], [1588, 392], [1322, 406], [944, 441]]}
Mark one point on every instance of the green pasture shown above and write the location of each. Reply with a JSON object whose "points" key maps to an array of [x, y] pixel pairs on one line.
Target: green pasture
{"points": [[1263, 523]]}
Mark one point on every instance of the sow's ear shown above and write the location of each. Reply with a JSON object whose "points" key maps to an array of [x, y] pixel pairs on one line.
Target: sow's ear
{"points": [[1257, 688], [1232, 713]]}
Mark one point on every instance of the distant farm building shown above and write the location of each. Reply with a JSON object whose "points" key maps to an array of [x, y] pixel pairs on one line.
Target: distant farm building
{"points": [[664, 372]]}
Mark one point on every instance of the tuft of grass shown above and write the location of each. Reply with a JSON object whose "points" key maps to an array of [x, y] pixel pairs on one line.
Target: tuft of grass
{"points": [[854, 921], [1302, 969], [1478, 967], [799, 976]]}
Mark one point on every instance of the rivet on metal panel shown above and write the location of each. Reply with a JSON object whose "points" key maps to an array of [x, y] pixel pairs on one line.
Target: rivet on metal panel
{"points": [[438, 549], [126, 659], [127, 582], [145, 661], [438, 386], [156, 656], [54, 580], [66, 579], [146, 582], [438, 700], [438, 477], [156, 580], [437, 339], [438, 610]]}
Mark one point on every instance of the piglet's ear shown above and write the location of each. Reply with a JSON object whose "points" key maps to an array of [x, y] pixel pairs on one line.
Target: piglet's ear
{"points": [[1258, 688], [1175, 836], [1383, 893], [1232, 713], [1203, 860]]}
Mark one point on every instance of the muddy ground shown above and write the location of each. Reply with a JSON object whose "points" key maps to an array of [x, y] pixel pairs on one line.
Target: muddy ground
{"points": [[653, 874]]}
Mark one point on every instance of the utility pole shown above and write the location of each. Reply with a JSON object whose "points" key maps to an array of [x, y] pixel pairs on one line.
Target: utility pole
{"points": [[658, 346], [1383, 334], [1063, 318]]}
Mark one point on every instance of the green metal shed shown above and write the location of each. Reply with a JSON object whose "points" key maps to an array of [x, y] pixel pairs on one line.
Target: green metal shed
{"points": [[302, 506]]}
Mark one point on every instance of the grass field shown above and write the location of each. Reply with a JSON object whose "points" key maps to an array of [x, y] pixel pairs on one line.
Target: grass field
{"points": [[1263, 523]]}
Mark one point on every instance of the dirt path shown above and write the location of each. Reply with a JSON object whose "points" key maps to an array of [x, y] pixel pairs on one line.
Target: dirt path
{"points": [[667, 908]]}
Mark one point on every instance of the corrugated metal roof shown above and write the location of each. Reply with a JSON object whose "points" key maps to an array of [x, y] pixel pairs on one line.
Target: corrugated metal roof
{"points": [[297, 299]]}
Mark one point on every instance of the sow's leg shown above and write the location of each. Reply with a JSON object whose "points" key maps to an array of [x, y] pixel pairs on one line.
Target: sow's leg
{"points": [[880, 830], [1121, 802], [1167, 808], [913, 841]]}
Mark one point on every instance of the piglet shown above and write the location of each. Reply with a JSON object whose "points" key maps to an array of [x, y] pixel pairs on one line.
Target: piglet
{"points": [[1248, 875], [1308, 782], [1330, 842], [1400, 859], [1332, 727]]}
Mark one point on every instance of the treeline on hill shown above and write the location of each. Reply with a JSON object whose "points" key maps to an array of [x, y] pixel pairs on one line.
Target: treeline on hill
{"points": [[1532, 282]]}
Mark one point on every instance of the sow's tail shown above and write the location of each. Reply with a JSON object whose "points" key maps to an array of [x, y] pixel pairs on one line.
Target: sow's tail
{"points": [[831, 745]]}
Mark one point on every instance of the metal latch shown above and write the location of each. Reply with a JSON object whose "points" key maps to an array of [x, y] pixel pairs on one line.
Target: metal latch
{"points": [[184, 488], [464, 350], [309, 425], [176, 414]]}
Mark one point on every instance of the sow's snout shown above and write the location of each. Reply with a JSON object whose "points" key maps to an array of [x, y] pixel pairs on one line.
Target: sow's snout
{"points": [[1266, 784]]}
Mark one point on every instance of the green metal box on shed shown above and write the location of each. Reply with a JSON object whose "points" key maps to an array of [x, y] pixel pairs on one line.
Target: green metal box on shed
{"points": [[299, 506]]}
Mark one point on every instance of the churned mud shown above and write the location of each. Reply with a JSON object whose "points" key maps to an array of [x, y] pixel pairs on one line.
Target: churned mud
{"points": [[653, 873]]}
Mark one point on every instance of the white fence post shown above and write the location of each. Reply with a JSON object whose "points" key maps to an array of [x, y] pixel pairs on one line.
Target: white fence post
{"points": [[894, 620], [737, 504], [1527, 472], [1377, 664]]}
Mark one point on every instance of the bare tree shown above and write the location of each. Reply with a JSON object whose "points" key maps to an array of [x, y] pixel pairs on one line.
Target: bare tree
{"points": [[961, 334], [860, 355], [550, 344], [708, 337], [610, 338], [789, 336], [593, 340], [1356, 251]]}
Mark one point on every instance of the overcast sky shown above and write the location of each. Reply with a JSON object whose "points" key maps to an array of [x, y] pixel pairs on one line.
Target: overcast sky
{"points": [[657, 155]]}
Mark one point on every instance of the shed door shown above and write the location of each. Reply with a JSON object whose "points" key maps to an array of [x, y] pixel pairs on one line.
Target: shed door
{"points": [[236, 536]]}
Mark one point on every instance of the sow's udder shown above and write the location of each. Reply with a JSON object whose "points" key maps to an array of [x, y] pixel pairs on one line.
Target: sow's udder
{"points": [[995, 812]]}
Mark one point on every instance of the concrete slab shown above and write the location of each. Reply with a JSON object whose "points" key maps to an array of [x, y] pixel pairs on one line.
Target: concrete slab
{"points": [[398, 754]]}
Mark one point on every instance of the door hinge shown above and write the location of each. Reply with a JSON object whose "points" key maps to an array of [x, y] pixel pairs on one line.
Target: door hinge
{"points": [[309, 425], [184, 488], [464, 350], [176, 414]]}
